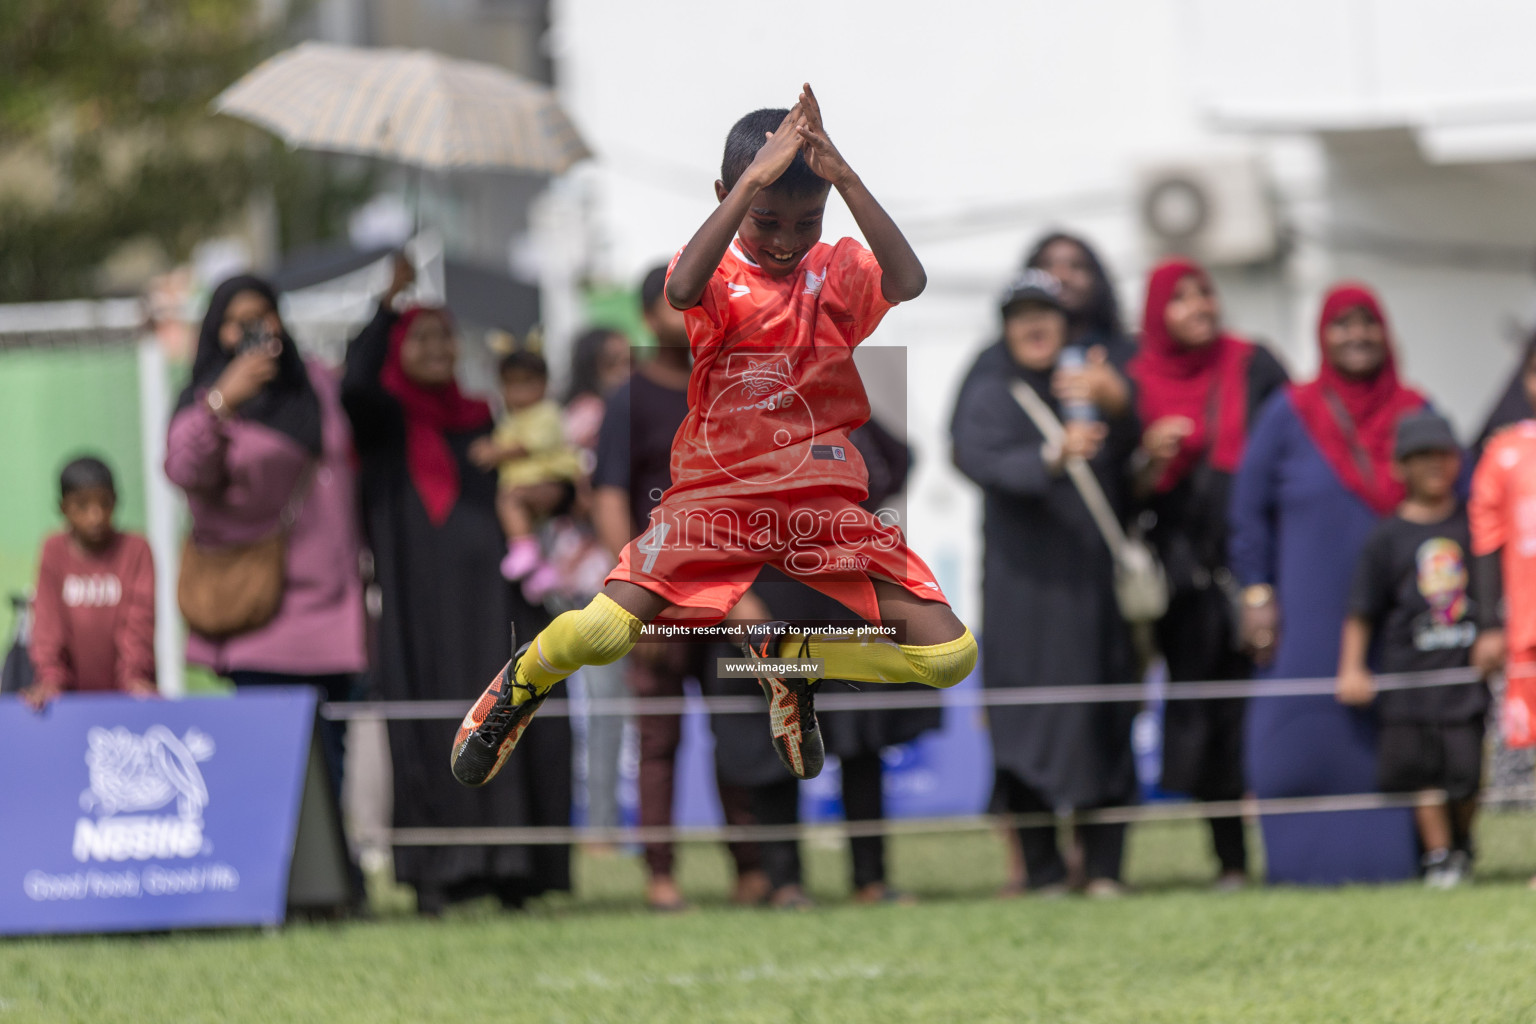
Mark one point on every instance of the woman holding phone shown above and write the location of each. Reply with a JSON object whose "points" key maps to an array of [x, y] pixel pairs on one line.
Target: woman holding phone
{"points": [[259, 440]]}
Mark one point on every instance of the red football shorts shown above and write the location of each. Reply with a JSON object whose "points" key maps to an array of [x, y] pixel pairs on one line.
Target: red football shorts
{"points": [[702, 555]]}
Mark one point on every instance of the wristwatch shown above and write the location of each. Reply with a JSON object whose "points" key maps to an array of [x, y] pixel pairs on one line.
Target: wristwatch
{"points": [[216, 403], [1258, 595]]}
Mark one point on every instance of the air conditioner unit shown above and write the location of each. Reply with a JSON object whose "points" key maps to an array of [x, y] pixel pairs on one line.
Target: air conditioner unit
{"points": [[1217, 209]]}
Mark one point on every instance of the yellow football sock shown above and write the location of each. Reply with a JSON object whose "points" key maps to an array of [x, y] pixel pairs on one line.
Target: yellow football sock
{"points": [[867, 660], [599, 634]]}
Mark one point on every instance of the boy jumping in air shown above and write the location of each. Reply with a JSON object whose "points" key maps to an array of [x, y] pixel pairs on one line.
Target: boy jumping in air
{"points": [[762, 471]]}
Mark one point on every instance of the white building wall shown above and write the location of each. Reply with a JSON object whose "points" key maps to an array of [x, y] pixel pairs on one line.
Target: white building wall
{"points": [[979, 125], [1426, 115], [1451, 251]]}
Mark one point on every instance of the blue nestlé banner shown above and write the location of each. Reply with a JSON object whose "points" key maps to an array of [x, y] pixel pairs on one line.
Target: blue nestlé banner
{"points": [[125, 815]]}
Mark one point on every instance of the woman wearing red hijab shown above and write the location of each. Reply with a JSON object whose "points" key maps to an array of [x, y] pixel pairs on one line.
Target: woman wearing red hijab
{"points": [[431, 522], [1314, 481], [1198, 389]]}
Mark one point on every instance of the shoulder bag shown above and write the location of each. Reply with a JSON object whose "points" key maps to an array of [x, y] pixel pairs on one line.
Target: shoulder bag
{"points": [[1141, 586], [225, 591]]}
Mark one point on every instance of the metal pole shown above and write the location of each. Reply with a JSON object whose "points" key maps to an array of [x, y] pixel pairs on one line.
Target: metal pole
{"points": [[161, 513]]}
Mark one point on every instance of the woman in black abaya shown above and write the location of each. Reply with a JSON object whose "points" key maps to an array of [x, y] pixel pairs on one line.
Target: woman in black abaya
{"points": [[430, 518], [1049, 616]]}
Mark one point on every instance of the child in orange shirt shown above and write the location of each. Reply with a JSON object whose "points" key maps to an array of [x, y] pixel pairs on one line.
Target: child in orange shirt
{"points": [[1503, 513], [762, 470]]}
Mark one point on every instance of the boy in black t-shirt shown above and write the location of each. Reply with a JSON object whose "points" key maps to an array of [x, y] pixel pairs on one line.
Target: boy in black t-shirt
{"points": [[1411, 591]]}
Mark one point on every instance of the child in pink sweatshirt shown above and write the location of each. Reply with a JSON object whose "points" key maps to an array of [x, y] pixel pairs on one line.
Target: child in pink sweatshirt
{"points": [[93, 623]]}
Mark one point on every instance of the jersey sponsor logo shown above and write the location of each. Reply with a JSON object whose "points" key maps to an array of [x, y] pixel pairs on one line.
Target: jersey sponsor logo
{"points": [[738, 290], [758, 382], [760, 374]]}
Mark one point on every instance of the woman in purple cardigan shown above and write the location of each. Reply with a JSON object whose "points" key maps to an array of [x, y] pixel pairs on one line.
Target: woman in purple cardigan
{"points": [[255, 431]]}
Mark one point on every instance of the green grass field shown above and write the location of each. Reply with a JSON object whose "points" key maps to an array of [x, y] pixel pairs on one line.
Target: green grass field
{"points": [[1171, 952]]}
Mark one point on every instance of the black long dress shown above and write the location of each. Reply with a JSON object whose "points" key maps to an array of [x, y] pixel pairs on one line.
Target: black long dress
{"points": [[1202, 739], [443, 634], [1512, 406], [1049, 616]]}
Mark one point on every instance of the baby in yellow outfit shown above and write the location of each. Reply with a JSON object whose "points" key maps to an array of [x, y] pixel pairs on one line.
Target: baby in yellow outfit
{"points": [[536, 466]]}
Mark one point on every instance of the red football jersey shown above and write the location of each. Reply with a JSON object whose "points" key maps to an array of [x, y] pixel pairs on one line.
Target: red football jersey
{"points": [[774, 391], [1503, 515]]}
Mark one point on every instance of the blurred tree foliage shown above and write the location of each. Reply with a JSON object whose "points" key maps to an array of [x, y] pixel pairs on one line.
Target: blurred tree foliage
{"points": [[106, 139]]}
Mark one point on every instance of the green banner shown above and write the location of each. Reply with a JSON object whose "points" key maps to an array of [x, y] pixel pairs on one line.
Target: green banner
{"points": [[56, 404]]}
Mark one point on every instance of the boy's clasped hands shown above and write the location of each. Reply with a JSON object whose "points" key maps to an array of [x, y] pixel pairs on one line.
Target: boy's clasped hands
{"points": [[800, 130]]}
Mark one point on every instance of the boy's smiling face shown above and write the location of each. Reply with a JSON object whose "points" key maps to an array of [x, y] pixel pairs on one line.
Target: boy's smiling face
{"points": [[780, 229]]}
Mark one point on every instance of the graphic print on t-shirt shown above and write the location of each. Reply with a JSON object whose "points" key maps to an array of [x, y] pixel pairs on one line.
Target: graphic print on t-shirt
{"points": [[1442, 582], [1412, 584], [96, 590]]}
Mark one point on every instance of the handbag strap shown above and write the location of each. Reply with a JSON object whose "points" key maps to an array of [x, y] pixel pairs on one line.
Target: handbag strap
{"points": [[1076, 467], [1212, 418], [1351, 436], [290, 513]]}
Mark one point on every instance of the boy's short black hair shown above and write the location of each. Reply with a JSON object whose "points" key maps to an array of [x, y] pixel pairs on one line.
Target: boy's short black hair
{"points": [[652, 288], [523, 361], [84, 473], [747, 136]]}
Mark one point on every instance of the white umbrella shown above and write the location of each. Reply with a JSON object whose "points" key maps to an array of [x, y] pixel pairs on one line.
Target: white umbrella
{"points": [[412, 106]]}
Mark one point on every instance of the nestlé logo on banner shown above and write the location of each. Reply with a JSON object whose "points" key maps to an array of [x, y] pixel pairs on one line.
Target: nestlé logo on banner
{"points": [[143, 773], [145, 802]]}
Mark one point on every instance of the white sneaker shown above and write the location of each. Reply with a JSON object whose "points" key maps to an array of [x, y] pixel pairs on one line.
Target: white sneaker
{"points": [[1458, 869], [1437, 869]]}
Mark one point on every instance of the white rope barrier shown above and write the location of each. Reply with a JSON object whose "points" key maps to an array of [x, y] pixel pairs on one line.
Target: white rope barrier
{"points": [[1112, 693], [1249, 808]]}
